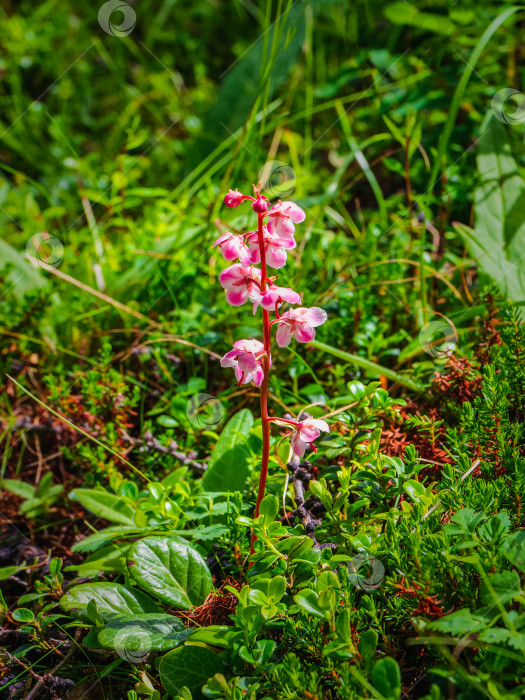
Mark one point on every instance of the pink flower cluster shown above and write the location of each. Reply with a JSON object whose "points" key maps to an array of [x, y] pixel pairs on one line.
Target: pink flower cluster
{"points": [[268, 246]]}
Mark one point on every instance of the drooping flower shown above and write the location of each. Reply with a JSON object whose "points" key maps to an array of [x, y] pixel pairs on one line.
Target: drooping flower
{"points": [[234, 198], [232, 247], [260, 206], [300, 324], [245, 359], [276, 295], [275, 248], [305, 433], [282, 217], [241, 283]]}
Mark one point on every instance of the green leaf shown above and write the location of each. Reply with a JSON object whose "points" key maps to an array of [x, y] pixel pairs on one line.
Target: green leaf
{"points": [[269, 508], [105, 537], [112, 599], [514, 549], [190, 667], [457, 623], [498, 240], [403, 13], [110, 558], [137, 635], [106, 505], [386, 678], [24, 276], [505, 585], [464, 522], [214, 635], [173, 571], [19, 488], [8, 571], [415, 490], [23, 615], [228, 468], [495, 528], [308, 601], [368, 644]]}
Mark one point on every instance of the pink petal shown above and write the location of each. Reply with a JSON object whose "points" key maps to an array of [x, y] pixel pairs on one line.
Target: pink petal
{"points": [[315, 316], [298, 446], [232, 274], [275, 257], [247, 362], [309, 433], [253, 346], [283, 335], [287, 294], [320, 424], [295, 213], [303, 333], [258, 376], [237, 296], [221, 239], [229, 360]]}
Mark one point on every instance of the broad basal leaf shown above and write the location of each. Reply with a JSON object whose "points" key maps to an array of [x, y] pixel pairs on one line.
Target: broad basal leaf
{"points": [[173, 571], [136, 635], [106, 505], [190, 667], [498, 241], [228, 468], [112, 599]]}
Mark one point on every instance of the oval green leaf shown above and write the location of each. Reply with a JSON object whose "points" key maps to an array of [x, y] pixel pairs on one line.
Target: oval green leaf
{"points": [[189, 666], [112, 599], [173, 571], [134, 636]]}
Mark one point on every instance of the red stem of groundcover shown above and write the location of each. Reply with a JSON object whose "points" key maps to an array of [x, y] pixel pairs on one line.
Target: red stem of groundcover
{"points": [[264, 386]]}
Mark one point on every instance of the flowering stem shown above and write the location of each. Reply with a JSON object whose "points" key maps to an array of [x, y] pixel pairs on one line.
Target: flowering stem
{"points": [[264, 386]]}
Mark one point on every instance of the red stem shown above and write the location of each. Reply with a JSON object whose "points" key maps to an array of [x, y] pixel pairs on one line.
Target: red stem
{"points": [[264, 386]]}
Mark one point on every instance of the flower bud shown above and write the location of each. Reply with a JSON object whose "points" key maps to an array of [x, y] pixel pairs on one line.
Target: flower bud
{"points": [[234, 198], [260, 205]]}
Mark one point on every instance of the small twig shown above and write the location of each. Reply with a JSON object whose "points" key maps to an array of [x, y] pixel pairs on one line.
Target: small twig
{"points": [[49, 676], [150, 442]]}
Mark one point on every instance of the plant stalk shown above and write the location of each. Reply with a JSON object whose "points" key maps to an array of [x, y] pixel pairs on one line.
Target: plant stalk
{"points": [[264, 386]]}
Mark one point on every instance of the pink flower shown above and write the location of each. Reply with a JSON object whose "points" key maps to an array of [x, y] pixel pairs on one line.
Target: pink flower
{"points": [[234, 198], [275, 248], [306, 432], [299, 323], [276, 295], [245, 358], [241, 283], [282, 217], [232, 247], [261, 204]]}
